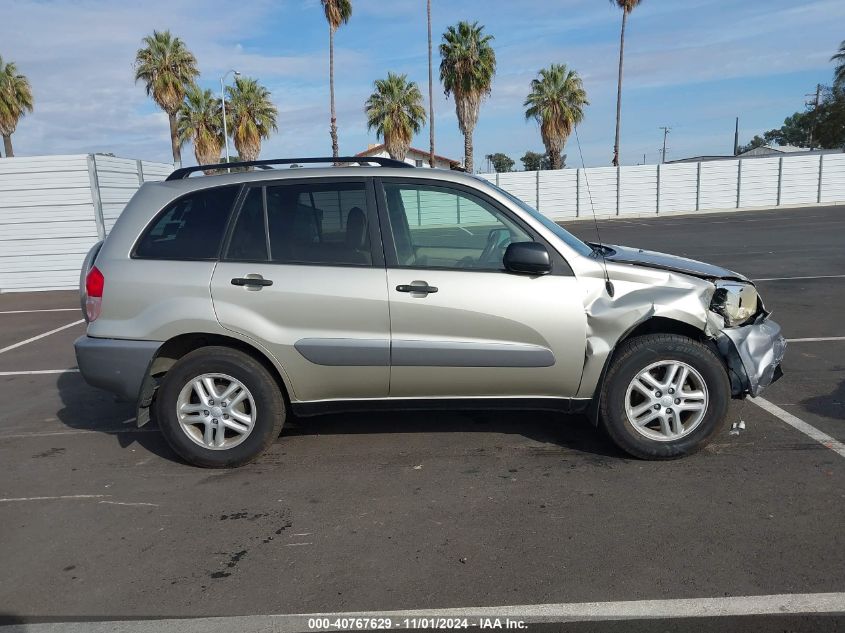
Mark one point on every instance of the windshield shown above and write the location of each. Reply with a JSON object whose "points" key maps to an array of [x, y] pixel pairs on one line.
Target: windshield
{"points": [[570, 240]]}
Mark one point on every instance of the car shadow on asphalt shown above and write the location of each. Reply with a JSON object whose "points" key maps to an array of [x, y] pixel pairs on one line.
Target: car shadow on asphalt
{"points": [[567, 432], [86, 408]]}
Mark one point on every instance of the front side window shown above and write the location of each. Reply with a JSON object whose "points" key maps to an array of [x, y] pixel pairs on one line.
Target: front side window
{"points": [[191, 227], [440, 227], [304, 223]]}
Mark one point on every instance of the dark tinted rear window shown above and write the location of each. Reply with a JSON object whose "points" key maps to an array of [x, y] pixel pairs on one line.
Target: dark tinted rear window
{"points": [[191, 227]]}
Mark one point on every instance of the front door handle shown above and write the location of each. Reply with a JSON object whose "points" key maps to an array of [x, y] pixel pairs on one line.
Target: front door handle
{"points": [[421, 287], [252, 281]]}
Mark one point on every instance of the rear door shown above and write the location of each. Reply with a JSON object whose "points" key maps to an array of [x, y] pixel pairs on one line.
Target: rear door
{"points": [[461, 325], [302, 272]]}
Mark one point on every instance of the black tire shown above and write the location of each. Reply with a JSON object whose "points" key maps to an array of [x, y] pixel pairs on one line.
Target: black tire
{"points": [[635, 355], [269, 402]]}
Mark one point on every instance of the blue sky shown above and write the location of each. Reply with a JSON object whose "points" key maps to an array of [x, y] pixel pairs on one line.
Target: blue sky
{"points": [[691, 64]]}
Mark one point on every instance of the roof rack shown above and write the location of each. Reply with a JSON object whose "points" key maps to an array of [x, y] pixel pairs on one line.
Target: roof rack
{"points": [[184, 172]]}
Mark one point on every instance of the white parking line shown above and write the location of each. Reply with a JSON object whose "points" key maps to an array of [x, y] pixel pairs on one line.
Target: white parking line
{"points": [[54, 498], [797, 423], [791, 278], [40, 336], [45, 310], [634, 609], [38, 372], [18, 436], [735, 606], [815, 340]]}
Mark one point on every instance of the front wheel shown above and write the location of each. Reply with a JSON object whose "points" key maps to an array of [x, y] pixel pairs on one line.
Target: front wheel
{"points": [[664, 396], [218, 407]]}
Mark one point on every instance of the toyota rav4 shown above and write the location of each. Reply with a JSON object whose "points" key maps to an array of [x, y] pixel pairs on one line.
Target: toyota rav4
{"points": [[224, 303]]}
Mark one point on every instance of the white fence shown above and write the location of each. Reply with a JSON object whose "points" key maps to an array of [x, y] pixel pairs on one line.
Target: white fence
{"points": [[54, 208], [718, 185]]}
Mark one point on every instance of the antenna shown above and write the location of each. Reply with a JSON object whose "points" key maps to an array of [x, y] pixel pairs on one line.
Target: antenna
{"points": [[608, 285]]}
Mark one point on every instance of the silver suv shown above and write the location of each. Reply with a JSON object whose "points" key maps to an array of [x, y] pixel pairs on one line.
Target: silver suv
{"points": [[224, 303]]}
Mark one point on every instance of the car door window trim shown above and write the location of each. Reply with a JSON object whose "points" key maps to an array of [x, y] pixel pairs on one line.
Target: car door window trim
{"points": [[560, 267], [373, 224]]}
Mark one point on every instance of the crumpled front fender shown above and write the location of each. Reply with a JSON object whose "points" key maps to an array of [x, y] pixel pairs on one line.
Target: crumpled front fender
{"points": [[754, 353]]}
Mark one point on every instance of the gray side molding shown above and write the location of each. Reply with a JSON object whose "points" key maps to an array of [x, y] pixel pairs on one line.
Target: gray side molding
{"points": [[348, 352], [469, 354]]}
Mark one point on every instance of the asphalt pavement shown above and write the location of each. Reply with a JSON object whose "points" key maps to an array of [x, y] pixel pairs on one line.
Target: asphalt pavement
{"points": [[404, 511]]}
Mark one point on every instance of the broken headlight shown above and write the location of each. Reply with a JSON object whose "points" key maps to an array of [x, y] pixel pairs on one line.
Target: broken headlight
{"points": [[735, 301]]}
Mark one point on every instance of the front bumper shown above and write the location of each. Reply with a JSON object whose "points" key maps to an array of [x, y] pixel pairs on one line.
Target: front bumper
{"points": [[115, 365], [754, 354]]}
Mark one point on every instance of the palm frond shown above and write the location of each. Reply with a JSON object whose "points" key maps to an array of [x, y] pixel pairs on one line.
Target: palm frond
{"points": [[337, 12], [167, 68], [252, 114], [839, 71], [395, 110], [556, 101], [15, 97], [467, 68]]}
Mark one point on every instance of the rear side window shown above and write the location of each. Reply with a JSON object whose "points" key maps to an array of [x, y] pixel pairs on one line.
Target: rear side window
{"points": [[192, 227], [310, 223]]}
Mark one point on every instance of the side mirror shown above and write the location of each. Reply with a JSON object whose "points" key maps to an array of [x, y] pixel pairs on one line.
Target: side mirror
{"points": [[529, 258]]}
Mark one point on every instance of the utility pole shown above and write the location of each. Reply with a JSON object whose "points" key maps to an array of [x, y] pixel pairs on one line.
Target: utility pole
{"points": [[666, 129], [736, 138], [814, 103]]}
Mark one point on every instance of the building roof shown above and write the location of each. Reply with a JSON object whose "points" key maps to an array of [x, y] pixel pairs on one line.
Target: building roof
{"points": [[760, 152], [377, 149]]}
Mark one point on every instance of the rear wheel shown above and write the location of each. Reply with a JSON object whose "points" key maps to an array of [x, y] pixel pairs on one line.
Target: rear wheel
{"points": [[218, 407], [664, 396]]}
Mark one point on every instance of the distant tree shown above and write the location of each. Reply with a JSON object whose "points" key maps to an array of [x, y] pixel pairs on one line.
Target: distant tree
{"points": [[535, 161], [467, 67], [794, 131], [395, 110], [252, 115], [15, 101], [337, 12], [167, 68], [501, 162], [200, 119], [556, 102], [829, 122], [754, 143], [822, 127], [839, 71]]}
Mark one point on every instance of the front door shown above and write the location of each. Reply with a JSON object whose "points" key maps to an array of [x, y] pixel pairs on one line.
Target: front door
{"points": [[460, 325], [303, 273]]}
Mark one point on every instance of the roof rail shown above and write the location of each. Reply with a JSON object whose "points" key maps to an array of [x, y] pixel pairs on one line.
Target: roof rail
{"points": [[184, 172]]}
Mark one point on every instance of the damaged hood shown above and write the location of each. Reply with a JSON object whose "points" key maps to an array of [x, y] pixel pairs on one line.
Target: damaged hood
{"points": [[662, 261]]}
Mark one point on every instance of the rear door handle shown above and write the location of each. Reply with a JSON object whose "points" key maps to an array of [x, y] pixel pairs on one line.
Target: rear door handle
{"points": [[422, 288], [251, 281]]}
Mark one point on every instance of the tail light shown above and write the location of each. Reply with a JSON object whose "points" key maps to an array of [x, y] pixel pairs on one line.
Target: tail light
{"points": [[94, 284]]}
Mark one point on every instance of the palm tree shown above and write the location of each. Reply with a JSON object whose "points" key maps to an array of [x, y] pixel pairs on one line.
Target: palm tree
{"points": [[200, 119], [430, 93], [337, 12], [839, 72], [15, 101], [627, 6], [167, 68], [467, 67], [252, 116], [396, 112], [556, 102]]}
